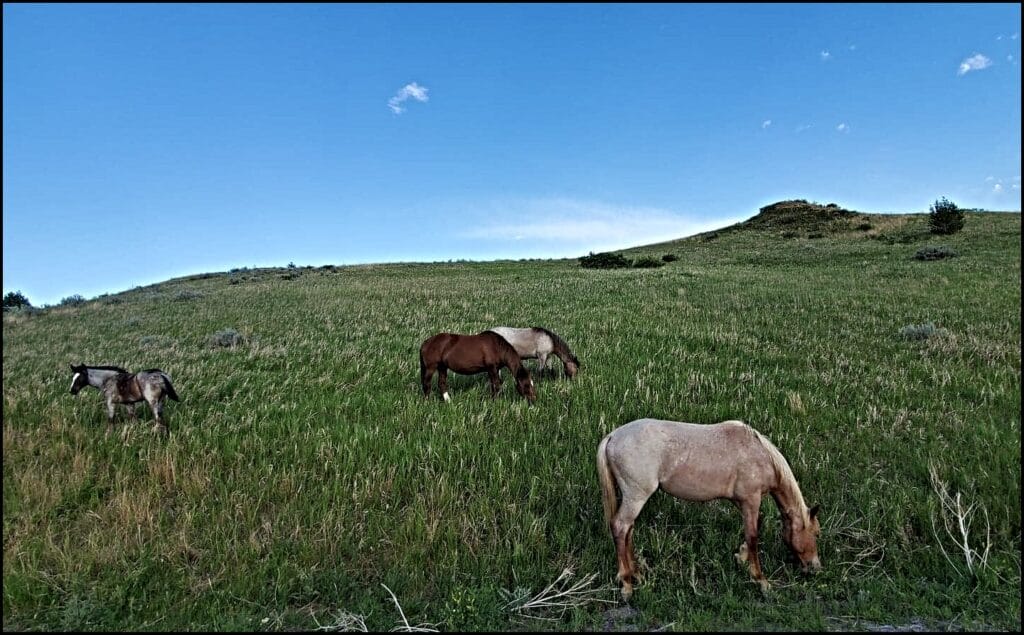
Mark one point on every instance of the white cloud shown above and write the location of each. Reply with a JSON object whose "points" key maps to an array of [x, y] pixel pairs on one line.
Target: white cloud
{"points": [[997, 188], [766, 123], [825, 56], [804, 126], [588, 225], [414, 90], [843, 127], [1015, 36], [975, 62], [989, 179], [1011, 59]]}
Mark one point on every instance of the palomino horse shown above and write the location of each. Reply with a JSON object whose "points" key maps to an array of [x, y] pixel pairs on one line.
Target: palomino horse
{"points": [[701, 463], [122, 387], [537, 343], [470, 354]]}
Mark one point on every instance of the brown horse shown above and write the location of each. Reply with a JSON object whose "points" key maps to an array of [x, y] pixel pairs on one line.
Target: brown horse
{"points": [[700, 463], [470, 354]]}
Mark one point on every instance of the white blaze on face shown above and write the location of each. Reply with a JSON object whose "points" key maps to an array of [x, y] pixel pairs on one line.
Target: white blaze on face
{"points": [[74, 379], [446, 397]]}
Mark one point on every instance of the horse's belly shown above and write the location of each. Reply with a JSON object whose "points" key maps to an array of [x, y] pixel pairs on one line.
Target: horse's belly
{"points": [[699, 484]]}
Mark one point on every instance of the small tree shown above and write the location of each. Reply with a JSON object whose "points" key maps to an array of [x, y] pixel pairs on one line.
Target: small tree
{"points": [[15, 299], [945, 217]]}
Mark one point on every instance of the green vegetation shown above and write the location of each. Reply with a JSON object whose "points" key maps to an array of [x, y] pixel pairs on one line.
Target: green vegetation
{"points": [[605, 260], [15, 300], [945, 217], [304, 470], [933, 252]]}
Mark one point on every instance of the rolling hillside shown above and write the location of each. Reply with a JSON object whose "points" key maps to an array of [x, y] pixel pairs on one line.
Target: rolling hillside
{"points": [[304, 469]]}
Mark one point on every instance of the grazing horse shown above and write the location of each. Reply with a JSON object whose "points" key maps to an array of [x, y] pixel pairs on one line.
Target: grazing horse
{"points": [[701, 463], [470, 354], [122, 387], [537, 343]]}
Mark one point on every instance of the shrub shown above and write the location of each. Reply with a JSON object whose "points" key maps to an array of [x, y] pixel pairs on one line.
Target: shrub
{"points": [[72, 300], [228, 338], [864, 227], [15, 299], [605, 261], [648, 262], [711, 236], [790, 234], [945, 217], [815, 235], [670, 258], [931, 252], [921, 331]]}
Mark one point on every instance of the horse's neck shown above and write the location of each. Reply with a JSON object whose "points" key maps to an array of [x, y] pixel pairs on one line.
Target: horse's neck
{"points": [[98, 377], [788, 497]]}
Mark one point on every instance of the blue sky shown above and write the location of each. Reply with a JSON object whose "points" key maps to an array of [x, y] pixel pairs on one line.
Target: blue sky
{"points": [[144, 142]]}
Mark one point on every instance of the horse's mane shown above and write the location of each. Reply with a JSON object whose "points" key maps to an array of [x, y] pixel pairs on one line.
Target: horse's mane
{"points": [[560, 345], [117, 368], [783, 472]]}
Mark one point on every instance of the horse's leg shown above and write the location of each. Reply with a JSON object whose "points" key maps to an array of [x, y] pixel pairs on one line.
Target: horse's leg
{"points": [[751, 508], [158, 410], [426, 374], [495, 375], [110, 409], [442, 382], [622, 533], [542, 363]]}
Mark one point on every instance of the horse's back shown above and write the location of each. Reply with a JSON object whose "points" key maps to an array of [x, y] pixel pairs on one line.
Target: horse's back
{"points": [[528, 342], [689, 460]]}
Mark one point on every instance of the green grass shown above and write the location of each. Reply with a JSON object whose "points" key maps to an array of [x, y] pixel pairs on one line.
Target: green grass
{"points": [[304, 470]]}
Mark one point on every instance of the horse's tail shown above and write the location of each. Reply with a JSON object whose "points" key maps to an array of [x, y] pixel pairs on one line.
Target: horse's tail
{"points": [[169, 388], [608, 498]]}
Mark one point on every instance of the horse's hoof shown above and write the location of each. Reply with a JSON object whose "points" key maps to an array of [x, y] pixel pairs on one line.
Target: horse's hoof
{"points": [[627, 592], [742, 555], [765, 586]]}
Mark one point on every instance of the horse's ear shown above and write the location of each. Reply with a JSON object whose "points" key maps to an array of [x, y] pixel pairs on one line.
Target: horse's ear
{"points": [[814, 511]]}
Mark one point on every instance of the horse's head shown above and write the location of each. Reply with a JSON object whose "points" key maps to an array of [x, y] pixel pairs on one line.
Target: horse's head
{"points": [[79, 378], [572, 366], [801, 536], [524, 384]]}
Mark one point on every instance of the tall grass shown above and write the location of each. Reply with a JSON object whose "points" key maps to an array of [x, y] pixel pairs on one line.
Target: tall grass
{"points": [[305, 473]]}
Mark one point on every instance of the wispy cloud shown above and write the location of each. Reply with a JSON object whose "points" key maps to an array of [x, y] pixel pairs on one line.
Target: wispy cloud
{"points": [[843, 127], [975, 62], [825, 56], [413, 90], [587, 225], [766, 123], [804, 126]]}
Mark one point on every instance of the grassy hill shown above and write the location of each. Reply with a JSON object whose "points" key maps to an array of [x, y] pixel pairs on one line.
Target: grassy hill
{"points": [[304, 470]]}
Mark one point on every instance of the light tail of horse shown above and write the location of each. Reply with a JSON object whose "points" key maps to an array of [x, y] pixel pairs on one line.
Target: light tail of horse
{"points": [[604, 474], [169, 388]]}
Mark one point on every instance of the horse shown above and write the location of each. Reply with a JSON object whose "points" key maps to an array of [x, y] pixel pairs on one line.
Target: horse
{"points": [[470, 354], [120, 386], [537, 343], [729, 460]]}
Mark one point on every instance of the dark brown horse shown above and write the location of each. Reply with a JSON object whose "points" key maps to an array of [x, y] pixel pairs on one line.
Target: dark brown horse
{"points": [[470, 354]]}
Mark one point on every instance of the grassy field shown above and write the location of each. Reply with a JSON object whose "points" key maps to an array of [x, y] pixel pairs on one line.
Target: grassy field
{"points": [[304, 471]]}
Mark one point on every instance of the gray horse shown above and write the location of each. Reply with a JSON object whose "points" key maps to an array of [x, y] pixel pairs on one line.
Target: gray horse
{"points": [[122, 387], [537, 343]]}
